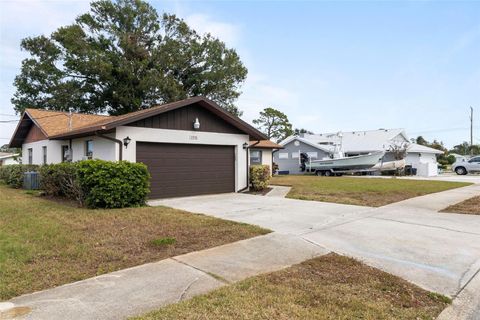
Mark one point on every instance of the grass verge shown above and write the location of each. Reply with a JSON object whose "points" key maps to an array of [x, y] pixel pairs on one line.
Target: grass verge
{"points": [[45, 244], [359, 191], [328, 287], [469, 206]]}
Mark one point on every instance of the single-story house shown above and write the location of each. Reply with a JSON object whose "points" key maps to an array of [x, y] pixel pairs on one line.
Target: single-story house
{"points": [[190, 147], [7, 158], [323, 146]]}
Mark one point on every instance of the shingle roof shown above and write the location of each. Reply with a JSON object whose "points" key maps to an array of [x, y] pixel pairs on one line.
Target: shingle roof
{"points": [[267, 144], [58, 122], [413, 147]]}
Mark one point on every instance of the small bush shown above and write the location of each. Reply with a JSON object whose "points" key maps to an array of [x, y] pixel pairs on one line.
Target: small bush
{"points": [[259, 177], [12, 174], [61, 180], [107, 184]]}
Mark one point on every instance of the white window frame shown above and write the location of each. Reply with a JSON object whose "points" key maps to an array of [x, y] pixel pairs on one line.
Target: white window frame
{"points": [[44, 154], [312, 154], [283, 155]]}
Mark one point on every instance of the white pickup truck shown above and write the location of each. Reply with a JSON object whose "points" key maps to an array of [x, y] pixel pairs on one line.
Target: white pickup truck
{"points": [[463, 166]]}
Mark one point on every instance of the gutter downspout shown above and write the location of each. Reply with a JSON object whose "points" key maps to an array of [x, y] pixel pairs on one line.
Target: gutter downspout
{"points": [[120, 144], [273, 151], [247, 165]]}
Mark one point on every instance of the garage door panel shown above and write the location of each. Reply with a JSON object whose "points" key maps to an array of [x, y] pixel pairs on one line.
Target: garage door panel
{"points": [[186, 169]]}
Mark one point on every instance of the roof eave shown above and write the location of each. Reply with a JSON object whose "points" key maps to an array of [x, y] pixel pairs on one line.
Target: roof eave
{"points": [[248, 129]]}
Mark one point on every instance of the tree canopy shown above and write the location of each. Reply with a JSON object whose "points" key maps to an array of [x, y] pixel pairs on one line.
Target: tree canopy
{"points": [[121, 56], [274, 124]]}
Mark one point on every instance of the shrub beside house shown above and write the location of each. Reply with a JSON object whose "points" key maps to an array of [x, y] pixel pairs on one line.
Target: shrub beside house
{"points": [[93, 183]]}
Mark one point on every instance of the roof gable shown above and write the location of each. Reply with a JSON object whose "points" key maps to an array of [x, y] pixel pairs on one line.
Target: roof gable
{"points": [[362, 141], [39, 124], [183, 119], [113, 122], [63, 125]]}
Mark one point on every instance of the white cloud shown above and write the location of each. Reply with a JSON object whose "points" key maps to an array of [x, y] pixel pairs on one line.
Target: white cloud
{"points": [[203, 23], [20, 19]]}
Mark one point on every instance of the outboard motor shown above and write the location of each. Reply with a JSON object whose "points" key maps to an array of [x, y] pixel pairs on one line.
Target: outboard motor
{"points": [[303, 161]]}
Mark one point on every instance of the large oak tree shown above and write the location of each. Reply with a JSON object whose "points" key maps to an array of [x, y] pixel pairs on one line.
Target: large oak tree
{"points": [[122, 57]]}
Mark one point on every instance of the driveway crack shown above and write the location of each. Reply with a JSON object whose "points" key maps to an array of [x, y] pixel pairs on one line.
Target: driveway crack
{"points": [[427, 225], [211, 274]]}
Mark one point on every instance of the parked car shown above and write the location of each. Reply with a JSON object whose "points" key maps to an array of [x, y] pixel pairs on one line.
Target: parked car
{"points": [[463, 166]]}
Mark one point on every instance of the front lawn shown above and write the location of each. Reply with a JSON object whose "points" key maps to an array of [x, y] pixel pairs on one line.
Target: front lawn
{"points": [[469, 206], [374, 192], [45, 244], [328, 287]]}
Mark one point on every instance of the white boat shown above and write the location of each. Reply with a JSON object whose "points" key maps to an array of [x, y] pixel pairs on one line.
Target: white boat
{"points": [[360, 162], [390, 165]]}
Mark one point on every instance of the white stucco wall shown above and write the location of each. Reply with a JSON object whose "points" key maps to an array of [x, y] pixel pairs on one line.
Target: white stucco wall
{"points": [[425, 163], [102, 148], [266, 157], [54, 151], [188, 137]]}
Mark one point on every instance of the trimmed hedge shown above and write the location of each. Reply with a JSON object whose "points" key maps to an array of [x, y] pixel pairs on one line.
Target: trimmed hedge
{"points": [[61, 180], [107, 184], [12, 174], [259, 177], [97, 183]]}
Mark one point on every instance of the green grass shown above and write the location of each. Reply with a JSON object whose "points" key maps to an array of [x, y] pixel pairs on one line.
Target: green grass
{"points": [[374, 192], [329, 287], [163, 241], [45, 243]]}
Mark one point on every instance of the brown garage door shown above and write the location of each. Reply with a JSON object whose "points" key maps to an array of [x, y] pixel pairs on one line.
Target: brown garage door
{"points": [[187, 169]]}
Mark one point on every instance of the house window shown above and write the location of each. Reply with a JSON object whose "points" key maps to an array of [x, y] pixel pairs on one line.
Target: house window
{"points": [[89, 149], [312, 155], [30, 156], [65, 154], [44, 153], [295, 155], [255, 157], [283, 155]]}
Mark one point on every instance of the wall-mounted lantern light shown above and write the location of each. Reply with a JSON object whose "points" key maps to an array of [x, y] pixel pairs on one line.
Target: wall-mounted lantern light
{"points": [[126, 141], [245, 145], [196, 124]]}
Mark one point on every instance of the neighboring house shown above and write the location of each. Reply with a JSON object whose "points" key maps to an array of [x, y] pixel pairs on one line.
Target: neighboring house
{"points": [[261, 152], [190, 147], [7, 158], [322, 146], [423, 158]]}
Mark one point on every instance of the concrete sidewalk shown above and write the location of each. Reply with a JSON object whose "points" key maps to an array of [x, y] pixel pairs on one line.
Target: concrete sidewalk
{"points": [[137, 290], [411, 239]]}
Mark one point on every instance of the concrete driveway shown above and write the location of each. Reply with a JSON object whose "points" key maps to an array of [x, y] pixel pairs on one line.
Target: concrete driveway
{"points": [[437, 251]]}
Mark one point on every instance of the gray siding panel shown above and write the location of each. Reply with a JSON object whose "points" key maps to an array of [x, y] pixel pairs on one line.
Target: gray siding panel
{"points": [[293, 165]]}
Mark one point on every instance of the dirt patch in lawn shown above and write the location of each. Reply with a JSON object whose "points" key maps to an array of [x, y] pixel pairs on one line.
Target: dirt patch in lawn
{"points": [[45, 243], [372, 192], [260, 193], [469, 206], [328, 287]]}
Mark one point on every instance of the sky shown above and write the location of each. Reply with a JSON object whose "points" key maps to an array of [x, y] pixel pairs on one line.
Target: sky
{"points": [[329, 66]]}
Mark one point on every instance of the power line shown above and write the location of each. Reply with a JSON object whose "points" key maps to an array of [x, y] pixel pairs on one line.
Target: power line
{"points": [[54, 115]]}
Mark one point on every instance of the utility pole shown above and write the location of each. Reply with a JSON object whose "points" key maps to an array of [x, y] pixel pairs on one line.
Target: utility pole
{"points": [[471, 131]]}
